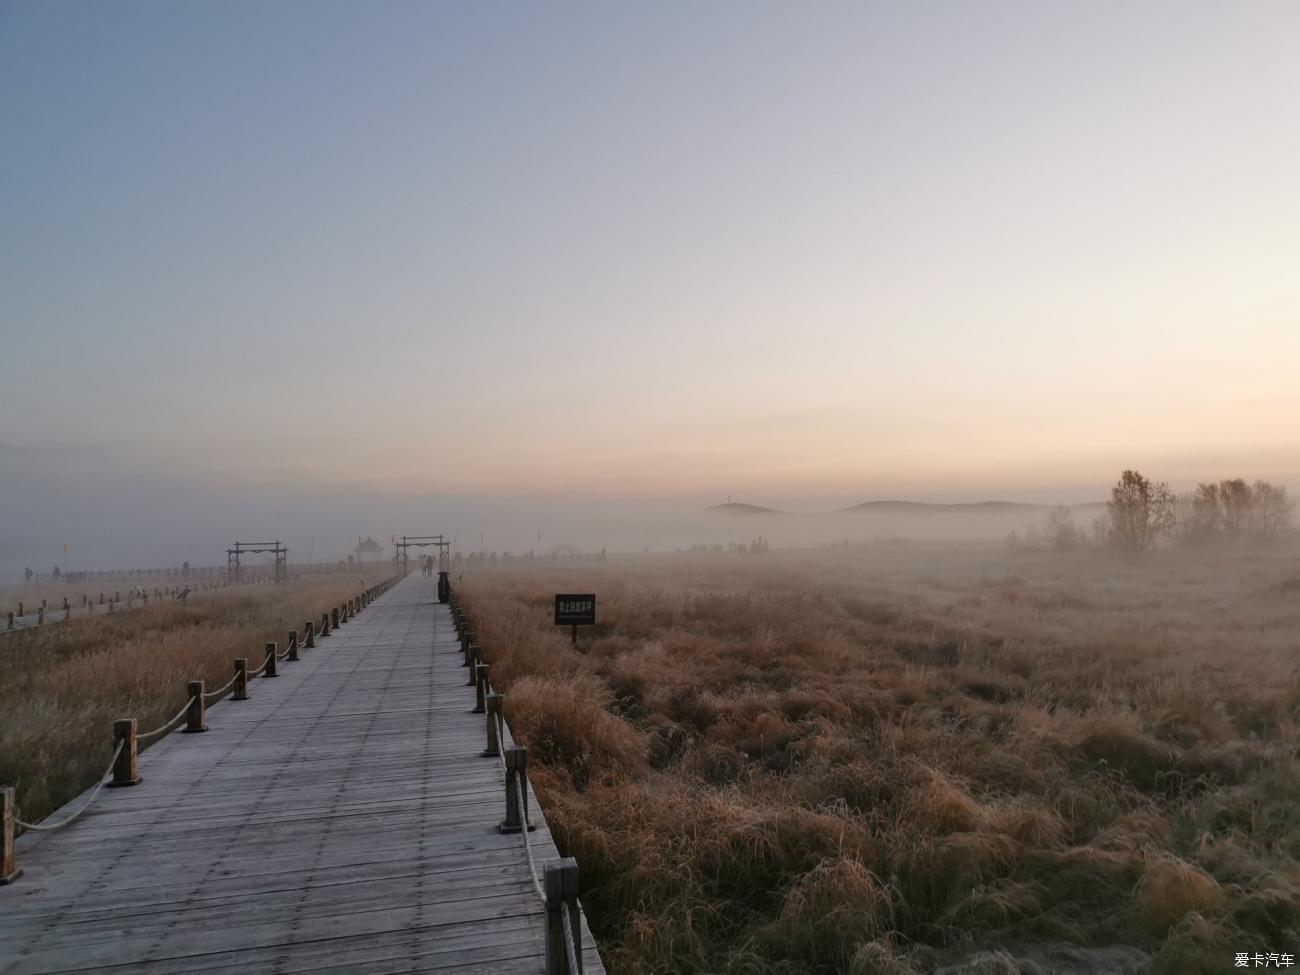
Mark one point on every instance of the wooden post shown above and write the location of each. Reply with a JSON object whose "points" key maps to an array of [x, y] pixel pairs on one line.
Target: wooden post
{"points": [[293, 645], [481, 689], [194, 716], [11, 619], [124, 769], [334, 618], [324, 624], [65, 602], [241, 680], [270, 661], [9, 869], [466, 644], [560, 882], [21, 611], [308, 634], [40, 616], [473, 665], [494, 702], [516, 789]]}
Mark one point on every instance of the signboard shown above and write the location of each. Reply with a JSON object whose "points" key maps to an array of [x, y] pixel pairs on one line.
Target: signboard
{"points": [[575, 609]]}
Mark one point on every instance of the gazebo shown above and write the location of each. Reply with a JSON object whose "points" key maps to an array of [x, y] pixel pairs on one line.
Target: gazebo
{"points": [[369, 550]]}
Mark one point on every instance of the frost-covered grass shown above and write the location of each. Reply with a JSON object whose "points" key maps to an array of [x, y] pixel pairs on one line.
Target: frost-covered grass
{"points": [[892, 759]]}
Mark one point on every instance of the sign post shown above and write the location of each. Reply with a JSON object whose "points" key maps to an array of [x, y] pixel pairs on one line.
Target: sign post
{"points": [[575, 609]]}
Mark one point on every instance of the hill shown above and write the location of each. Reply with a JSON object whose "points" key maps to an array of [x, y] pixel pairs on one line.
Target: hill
{"points": [[969, 508], [736, 508]]}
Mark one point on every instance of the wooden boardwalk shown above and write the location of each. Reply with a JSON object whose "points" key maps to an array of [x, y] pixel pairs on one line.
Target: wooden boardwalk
{"points": [[341, 819]]}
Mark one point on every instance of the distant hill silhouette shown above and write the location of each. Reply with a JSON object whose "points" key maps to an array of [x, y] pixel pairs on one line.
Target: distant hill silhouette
{"points": [[923, 508], [969, 508], [736, 508]]}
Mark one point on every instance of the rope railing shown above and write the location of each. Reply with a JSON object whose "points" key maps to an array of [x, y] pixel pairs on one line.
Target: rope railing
{"points": [[47, 827], [167, 725], [267, 661], [522, 813], [220, 692], [122, 769], [568, 923], [557, 885]]}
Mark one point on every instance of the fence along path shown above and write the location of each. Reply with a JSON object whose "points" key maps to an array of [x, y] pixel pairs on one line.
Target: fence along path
{"points": [[343, 818]]}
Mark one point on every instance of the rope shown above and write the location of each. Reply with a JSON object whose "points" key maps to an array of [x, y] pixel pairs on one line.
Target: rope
{"points": [[528, 847], [103, 780], [501, 743], [281, 656], [570, 952], [220, 692], [258, 671], [163, 729]]}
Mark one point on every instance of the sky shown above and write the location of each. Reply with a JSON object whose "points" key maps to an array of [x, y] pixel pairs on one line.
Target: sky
{"points": [[327, 257]]}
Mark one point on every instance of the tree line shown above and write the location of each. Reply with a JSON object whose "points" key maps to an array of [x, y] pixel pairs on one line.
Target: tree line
{"points": [[1143, 514]]}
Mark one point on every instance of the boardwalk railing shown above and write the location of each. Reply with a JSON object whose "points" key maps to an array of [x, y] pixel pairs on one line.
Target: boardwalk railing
{"points": [[110, 602], [557, 886], [198, 572], [122, 770]]}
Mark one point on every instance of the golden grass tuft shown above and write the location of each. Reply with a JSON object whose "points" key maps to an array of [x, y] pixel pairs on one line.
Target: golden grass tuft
{"points": [[566, 723], [1171, 889]]}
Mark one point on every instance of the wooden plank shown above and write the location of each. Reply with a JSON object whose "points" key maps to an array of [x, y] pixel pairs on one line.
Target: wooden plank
{"points": [[340, 819]]}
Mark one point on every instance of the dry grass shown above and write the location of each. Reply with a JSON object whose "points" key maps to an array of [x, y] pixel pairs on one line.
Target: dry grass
{"points": [[65, 683], [884, 761]]}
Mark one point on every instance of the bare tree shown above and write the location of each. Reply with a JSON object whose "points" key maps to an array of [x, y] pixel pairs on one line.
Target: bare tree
{"points": [[1059, 529], [1197, 520], [1270, 512], [1234, 508], [1097, 532], [1140, 511]]}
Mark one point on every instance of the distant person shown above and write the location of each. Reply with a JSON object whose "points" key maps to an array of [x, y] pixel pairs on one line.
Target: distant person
{"points": [[28, 573], [56, 573]]}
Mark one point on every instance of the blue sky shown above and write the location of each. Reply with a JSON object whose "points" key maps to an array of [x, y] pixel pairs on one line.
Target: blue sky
{"points": [[797, 251]]}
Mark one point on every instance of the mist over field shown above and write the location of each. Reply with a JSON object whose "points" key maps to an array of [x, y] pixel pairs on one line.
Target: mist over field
{"points": [[150, 517], [158, 523], [914, 387]]}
